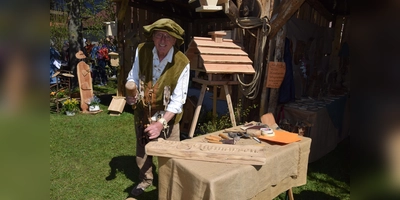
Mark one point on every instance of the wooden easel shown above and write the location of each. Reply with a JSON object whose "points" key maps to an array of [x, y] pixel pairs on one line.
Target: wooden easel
{"points": [[221, 60], [201, 98]]}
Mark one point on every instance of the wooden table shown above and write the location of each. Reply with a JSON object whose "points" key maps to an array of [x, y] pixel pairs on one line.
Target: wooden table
{"points": [[328, 120], [286, 167]]}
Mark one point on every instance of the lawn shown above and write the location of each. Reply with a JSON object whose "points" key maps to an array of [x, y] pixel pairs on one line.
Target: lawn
{"points": [[92, 157]]}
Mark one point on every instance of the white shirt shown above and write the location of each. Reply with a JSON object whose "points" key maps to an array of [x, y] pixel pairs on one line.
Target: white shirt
{"points": [[178, 96]]}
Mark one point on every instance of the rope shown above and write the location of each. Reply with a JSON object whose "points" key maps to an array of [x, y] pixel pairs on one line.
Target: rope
{"points": [[250, 90]]}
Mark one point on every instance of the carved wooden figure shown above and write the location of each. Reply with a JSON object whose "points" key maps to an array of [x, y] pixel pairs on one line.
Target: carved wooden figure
{"points": [[85, 81]]}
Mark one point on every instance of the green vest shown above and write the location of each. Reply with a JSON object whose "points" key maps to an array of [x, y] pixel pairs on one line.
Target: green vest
{"points": [[154, 94]]}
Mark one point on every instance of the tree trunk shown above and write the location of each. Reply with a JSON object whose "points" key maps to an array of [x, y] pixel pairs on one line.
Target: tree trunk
{"points": [[75, 33]]}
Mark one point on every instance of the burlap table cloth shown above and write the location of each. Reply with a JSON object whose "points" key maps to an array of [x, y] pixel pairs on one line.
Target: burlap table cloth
{"points": [[286, 167]]}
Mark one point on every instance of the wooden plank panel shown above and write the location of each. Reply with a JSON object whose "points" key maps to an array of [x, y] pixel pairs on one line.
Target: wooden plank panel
{"points": [[229, 68], [226, 59], [210, 82], [221, 51], [210, 43]]}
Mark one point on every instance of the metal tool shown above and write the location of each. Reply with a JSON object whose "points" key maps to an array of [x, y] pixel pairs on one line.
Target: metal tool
{"points": [[256, 139]]}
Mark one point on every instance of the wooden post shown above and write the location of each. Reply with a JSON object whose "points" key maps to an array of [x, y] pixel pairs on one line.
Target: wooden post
{"points": [[267, 11], [265, 90], [122, 6], [278, 57], [230, 107], [214, 112], [197, 111]]}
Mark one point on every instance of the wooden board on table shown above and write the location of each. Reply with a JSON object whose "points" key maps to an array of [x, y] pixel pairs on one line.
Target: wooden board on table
{"points": [[282, 136], [222, 153]]}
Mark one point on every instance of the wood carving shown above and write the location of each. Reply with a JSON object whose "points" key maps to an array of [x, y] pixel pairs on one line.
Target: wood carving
{"points": [[85, 81], [222, 153]]}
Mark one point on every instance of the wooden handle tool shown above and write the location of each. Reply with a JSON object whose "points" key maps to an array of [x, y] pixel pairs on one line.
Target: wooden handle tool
{"points": [[131, 88], [224, 136]]}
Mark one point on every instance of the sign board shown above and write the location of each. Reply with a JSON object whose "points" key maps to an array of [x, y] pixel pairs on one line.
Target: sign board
{"points": [[275, 74]]}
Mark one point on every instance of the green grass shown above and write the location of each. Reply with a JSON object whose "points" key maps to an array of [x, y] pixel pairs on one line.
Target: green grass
{"points": [[93, 157], [327, 178]]}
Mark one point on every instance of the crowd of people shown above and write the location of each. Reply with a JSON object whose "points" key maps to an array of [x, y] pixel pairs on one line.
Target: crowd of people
{"points": [[97, 58], [100, 60]]}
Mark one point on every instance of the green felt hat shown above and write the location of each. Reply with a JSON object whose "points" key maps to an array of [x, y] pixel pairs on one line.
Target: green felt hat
{"points": [[168, 26]]}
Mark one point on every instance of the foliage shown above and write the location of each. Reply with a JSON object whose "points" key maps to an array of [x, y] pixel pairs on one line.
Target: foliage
{"points": [[70, 105], [60, 94], [95, 14], [92, 14], [93, 101], [212, 123]]}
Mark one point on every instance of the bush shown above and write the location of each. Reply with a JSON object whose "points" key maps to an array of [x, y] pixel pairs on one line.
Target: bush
{"points": [[206, 124]]}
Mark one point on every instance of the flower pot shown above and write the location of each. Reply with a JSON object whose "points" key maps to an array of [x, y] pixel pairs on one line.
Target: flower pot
{"points": [[94, 108], [70, 113]]}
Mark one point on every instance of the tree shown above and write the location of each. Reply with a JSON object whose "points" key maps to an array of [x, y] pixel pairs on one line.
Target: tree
{"points": [[75, 31], [76, 20]]}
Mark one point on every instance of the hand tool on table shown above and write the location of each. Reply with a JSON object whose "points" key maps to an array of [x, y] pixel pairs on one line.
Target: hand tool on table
{"points": [[238, 135], [218, 140]]}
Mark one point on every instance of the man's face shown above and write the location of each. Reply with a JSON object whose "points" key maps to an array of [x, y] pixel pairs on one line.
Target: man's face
{"points": [[163, 41]]}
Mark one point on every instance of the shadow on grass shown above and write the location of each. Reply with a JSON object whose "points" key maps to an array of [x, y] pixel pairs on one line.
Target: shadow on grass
{"points": [[336, 164], [307, 195], [124, 164], [127, 166]]}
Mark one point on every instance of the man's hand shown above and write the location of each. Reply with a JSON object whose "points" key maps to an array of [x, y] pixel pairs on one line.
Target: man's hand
{"points": [[130, 100], [154, 129]]}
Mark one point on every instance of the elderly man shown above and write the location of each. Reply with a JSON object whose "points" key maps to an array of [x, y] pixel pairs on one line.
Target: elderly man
{"points": [[159, 79]]}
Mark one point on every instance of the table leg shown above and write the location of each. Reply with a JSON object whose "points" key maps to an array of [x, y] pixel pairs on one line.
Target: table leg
{"points": [[289, 194]]}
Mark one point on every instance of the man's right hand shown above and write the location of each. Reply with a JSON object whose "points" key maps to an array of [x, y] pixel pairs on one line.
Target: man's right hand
{"points": [[130, 100]]}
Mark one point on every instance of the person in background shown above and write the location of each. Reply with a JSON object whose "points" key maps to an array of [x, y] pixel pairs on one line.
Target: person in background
{"points": [[55, 62], [95, 65], [89, 46], [65, 52], [111, 48], [102, 59], [160, 72]]}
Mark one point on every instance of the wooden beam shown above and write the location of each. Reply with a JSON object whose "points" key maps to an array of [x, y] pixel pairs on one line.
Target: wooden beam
{"points": [[160, 10], [282, 14], [123, 5], [233, 13], [316, 4]]}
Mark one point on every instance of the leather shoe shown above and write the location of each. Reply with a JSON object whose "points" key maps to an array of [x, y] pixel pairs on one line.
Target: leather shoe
{"points": [[137, 191]]}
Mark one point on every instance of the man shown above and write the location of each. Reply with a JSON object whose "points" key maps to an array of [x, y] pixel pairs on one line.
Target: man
{"points": [[160, 72]]}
